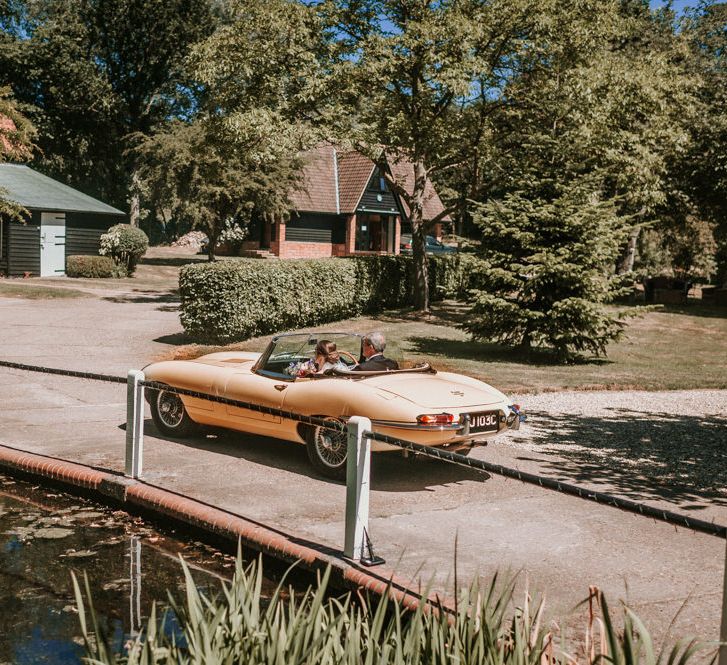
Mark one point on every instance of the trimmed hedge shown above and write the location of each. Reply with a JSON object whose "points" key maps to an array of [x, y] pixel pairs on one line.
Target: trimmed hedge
{"points": [[92, 266], [233, 300], [452, 276]]}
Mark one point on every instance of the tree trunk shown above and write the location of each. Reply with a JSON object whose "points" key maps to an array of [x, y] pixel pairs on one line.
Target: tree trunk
{"points": [[213, 234], [135, 204], [626, 264], [416, 212]]}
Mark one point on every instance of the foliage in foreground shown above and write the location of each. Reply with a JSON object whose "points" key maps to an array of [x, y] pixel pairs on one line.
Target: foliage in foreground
{"points": [[238, 625]]}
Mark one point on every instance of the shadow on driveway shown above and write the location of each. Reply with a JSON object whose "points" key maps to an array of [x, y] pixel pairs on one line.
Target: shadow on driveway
{"points": [[139, 296], [658, 456], [487, 352], [389, 471]]}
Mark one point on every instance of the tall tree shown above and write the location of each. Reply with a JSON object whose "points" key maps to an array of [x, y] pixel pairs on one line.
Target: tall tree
{"points": [[579, 155], [267, 97], [415, 71], [266, 73], [705, 166], [207, 184], [97, 71]]}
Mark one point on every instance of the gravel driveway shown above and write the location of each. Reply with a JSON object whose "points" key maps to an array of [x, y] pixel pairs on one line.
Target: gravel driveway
{"points": [[657, 447]]}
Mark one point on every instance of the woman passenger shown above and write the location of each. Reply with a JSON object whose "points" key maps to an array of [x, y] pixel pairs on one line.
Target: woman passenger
{"points": [[327, 357]]}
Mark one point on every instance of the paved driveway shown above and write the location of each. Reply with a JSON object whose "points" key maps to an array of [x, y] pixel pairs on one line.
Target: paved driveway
{"points": [[668, 449]]}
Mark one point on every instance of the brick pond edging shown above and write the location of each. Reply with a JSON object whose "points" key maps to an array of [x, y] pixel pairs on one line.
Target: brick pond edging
{"points": [[135, 495]]}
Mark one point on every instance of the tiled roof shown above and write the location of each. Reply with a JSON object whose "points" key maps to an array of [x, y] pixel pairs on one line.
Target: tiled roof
{"points": [[354, 173], [403, 172], [317, 189], [34, 190], [333, 182]]}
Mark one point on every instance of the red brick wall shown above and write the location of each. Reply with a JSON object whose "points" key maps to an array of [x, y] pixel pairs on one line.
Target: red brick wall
{"points": [[397, 234], [351, 235], [304, 250]]}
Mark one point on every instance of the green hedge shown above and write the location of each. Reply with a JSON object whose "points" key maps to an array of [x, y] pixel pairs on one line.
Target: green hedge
{"points": [[233, 300], [452, 276], [92, 266]]}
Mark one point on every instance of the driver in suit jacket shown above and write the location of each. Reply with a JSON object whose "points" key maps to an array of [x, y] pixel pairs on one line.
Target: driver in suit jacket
{"points": [[372, 354]]}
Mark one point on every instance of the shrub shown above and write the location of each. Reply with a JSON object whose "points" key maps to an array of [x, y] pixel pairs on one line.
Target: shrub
{"points": [[232, 300], [125, 244], [93, 266], [549, 272], [453, 276]]}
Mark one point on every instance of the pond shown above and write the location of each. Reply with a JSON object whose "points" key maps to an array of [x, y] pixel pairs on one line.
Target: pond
{"points": [[46, 534]]}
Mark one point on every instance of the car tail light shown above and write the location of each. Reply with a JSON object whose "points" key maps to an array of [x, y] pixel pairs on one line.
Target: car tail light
{"points": [[437, 419]]}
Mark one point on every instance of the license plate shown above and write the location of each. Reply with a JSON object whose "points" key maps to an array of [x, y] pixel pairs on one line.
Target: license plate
{"points": [[484, 421]]}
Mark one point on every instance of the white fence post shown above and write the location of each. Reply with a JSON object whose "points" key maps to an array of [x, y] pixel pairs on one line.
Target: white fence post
{"points": [[134, 423], [723, 627], [358, 471]]}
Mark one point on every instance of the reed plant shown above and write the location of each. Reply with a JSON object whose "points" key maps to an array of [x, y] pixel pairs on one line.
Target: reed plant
{"points": [[239, 625]]}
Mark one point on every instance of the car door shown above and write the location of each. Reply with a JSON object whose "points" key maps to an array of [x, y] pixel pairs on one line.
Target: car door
{"points": [[256, 389]]}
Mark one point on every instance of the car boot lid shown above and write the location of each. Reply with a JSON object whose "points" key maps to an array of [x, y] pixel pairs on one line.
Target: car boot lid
{"points": [[442, 390]]}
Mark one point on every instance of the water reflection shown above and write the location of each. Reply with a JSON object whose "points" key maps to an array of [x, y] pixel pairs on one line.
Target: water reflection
{"points": [[135, 593], [45, 535]]}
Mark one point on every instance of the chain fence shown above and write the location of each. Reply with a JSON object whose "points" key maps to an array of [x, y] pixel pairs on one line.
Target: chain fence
{"points": [[676, 519]]}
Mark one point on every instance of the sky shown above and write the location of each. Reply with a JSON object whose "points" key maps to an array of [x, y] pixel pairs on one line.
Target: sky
{"points": [[679, 5]]}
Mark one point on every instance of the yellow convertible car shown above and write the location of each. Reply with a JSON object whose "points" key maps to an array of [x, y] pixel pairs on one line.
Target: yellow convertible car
{"points": [[418, 404]]}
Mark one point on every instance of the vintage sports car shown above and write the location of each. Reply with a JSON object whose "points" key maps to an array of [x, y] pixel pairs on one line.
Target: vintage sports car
{"points": [[417, 404]]}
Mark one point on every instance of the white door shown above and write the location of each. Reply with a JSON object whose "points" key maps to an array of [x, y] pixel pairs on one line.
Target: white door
{"points": [[52, 244]]}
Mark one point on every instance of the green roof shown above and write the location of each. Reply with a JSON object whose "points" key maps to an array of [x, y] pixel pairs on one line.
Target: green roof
{"points": [[36, 191]]}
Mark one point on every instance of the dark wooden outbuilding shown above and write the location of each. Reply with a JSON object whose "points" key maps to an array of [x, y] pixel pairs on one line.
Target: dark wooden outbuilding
{"points": [[62, 222]]}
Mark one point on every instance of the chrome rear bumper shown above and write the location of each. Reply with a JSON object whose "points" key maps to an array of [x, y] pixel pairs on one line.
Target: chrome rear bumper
{"points": [[509, 420]]}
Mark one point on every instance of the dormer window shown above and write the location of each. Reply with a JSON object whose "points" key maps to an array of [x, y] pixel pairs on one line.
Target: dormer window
{"points": [[380, 180]]}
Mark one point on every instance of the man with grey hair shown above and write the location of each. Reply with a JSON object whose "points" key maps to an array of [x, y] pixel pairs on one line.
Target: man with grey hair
{"points": [[372, 351]]}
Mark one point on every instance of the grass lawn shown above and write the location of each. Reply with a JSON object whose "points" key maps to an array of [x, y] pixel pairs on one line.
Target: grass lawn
{"points": [[33, 291], [672, 348]]}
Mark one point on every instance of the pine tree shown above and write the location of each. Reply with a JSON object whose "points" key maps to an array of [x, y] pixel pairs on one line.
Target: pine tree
{"points": [[549, 270]]}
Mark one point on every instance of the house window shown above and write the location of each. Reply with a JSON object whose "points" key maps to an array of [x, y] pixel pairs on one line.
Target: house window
{"points": [[379, 182]]}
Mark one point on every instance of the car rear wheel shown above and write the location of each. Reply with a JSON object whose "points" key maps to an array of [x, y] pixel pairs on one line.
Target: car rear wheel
{"points": [[327, 449], [169, 414]]}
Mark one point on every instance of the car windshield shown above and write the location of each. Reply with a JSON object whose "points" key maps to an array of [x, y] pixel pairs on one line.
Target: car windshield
{"points": [[300, 347]]}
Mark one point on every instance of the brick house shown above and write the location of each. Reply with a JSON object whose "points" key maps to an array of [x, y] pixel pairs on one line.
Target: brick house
{"points": [[343, 207]]}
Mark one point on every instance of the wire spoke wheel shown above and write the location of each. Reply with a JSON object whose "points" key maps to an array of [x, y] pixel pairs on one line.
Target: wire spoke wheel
{"points": [[171, 409], [169, 414], [328, 449]]}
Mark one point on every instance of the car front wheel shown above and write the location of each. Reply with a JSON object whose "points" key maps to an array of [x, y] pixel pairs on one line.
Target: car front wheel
{"points": [[327, 449], [169, 414]]}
